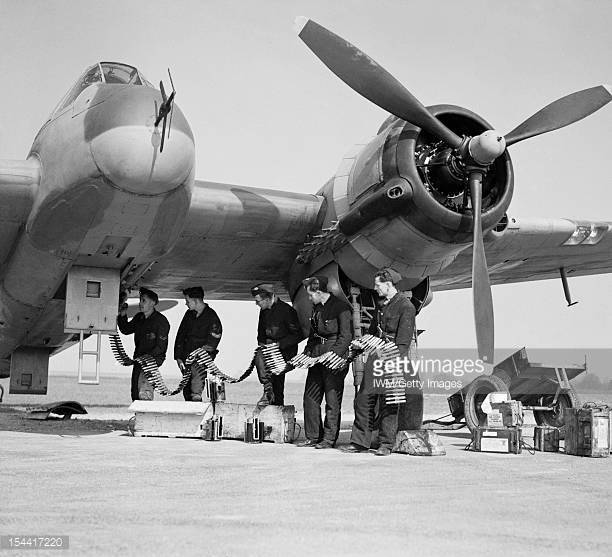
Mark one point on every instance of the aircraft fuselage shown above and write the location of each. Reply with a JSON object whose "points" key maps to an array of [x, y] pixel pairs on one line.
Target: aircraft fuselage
{"points": [[107, 197]]}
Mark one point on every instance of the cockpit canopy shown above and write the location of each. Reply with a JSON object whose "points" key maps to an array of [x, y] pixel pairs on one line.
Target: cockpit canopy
{"points": [[103, 72]]}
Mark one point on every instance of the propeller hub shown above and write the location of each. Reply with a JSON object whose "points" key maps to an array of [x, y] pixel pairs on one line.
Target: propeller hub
{"points": [[486, 147]]}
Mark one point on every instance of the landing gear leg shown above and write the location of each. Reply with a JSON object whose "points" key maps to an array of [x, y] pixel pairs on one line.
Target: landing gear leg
{"points": [[363, 304]]}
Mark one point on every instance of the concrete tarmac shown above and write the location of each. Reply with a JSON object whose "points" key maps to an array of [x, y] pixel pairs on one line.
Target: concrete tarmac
{"points": [[114, 494]]}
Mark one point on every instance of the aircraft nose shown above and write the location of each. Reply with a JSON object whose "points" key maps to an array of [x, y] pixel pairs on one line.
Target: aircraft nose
{"points": [[125, 143]]}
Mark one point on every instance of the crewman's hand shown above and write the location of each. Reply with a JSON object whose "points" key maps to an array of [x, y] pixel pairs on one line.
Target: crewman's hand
{"points": [[123, 302], [181, 366], [357, 344]]}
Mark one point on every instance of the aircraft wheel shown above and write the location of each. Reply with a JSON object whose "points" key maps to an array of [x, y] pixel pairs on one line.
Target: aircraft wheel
{"points": [[474, 396], [554, 418]]}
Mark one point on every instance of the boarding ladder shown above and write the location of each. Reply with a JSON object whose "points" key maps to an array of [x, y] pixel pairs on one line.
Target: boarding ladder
{"points": [[95, 353]]}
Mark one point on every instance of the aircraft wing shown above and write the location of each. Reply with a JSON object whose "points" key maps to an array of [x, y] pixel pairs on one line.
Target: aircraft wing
{"points": [[235, 237], [535, 249], [17, 182]]}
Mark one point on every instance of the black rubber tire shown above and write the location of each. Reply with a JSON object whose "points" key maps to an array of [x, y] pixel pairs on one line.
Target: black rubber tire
{"points": [[566, 399], [476, 392]]}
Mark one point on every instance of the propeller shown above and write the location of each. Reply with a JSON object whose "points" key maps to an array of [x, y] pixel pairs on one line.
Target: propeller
{"points": [[369, 79], [172, 108], [481, 286], [561, 113], [372, 81], [167, 106]]}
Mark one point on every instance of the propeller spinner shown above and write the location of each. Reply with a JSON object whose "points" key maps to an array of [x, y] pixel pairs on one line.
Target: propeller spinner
{"points": [[372, 81]]}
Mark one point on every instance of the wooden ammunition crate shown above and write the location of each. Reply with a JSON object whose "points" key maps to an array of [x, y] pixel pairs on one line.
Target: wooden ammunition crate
{"points": [[588, 431], [279, 421], [186, 419], [497, 440], [170, 418], [511, 411], [546, 439]]}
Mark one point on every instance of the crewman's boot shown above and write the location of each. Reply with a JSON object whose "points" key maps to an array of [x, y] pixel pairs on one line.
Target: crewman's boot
{"points": [[267, 397]]}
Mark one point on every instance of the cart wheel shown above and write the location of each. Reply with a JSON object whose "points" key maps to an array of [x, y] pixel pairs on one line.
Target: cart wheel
{"points": [[554, 418], [503, 376], [476, 392]]}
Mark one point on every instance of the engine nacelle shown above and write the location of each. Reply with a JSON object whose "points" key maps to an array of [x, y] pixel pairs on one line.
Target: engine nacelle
{"points": [[402, 200]]}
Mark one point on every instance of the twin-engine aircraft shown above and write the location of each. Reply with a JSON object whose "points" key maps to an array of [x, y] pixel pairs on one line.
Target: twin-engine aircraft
{"points": [[107, 200]]}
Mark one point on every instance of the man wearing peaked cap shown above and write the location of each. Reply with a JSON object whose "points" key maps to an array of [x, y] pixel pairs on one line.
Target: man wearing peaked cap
{"points": [[330, 331], [393, 321], [200, 328], [278, 323], [150, 329]]}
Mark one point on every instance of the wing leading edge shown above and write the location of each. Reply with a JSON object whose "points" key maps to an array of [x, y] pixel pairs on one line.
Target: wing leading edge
{"points": [[18, 183], [535, 249]]}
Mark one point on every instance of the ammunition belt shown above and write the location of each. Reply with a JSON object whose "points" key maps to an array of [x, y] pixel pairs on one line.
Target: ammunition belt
{"points": [[393, 391], [198, 361], [273, 359], [148, 366], [276, 364], [328, 359]]}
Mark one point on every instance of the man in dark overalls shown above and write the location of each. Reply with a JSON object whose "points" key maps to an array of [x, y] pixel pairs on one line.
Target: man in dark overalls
{"points": [[394, 321], [150, 329], [200, 328], [278, 323], [330, 330]]}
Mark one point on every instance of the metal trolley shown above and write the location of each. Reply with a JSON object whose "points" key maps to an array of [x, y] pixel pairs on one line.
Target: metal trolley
{"points": [[544, 389]]}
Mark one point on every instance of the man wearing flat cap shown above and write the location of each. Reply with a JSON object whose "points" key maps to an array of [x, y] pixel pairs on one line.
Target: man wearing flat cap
{"points": [[278, 322], [200, 328], [330, 331], [150, 329], [394, 321]]}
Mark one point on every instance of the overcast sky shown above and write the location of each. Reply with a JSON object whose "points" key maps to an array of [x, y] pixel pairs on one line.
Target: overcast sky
{"points": [[266, 113]]}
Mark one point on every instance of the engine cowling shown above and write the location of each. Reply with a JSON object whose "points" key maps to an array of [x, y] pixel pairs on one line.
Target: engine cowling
{"points": [[402, 200]]}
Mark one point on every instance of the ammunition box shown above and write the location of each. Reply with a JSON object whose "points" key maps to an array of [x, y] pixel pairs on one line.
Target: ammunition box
{"points": [[497, 440], [546, 439], [588, 431]]}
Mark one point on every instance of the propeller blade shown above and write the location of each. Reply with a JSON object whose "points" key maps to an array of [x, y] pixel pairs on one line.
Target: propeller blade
{"points": [[171, 82], [481, 286], [163, 133], [162, 91], [170, 121], [561, 113], [172, 103], [369, 79]]}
